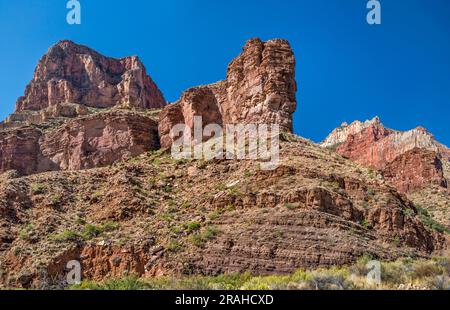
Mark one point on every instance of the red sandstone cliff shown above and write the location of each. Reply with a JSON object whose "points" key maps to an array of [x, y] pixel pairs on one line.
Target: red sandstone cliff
{"points": [[81, 110], [260, 88], [410, 159], [74, 73]]}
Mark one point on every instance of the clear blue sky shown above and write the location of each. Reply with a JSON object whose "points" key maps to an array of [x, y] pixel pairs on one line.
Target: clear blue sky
{"points": [[346, 69]]}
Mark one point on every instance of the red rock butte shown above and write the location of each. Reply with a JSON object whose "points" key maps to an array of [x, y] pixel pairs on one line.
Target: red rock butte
{"points": [[260, 88], [69, 72], [410, 159]]}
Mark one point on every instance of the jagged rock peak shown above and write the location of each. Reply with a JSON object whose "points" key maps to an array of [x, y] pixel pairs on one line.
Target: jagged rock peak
{"points": [[340, 134], [372, 145], [260, 88], [70, 72]]}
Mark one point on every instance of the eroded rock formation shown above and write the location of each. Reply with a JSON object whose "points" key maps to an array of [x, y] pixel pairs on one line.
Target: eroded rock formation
{"points": [[81, 110], [414, 170], [74, 73], [260, 88], [373, 145], [99, 140]]}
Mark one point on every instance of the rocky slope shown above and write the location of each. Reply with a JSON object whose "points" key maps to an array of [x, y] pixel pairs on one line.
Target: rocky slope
{"points": [[152, 216], [120, 205], [260, 88]]}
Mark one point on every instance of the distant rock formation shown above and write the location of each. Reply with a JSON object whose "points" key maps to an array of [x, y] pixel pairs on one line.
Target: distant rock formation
{"points": [[74, 73], [260, 88], [81, 110], [395, 152]]}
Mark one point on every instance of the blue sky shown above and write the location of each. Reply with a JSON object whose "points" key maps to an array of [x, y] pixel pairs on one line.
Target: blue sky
{"points": [[346, 69]]}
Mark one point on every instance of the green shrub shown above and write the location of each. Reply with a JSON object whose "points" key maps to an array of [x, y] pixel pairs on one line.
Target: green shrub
{"points": [[91, 231], [370, 191], [110, 226], [67, 235], [291, 206], [428, 221], [25, 232], [197, 240], [38, 188], [408, 212], [210, 233], [174, 246], [192, 226], [131, 283], [366, 224]]}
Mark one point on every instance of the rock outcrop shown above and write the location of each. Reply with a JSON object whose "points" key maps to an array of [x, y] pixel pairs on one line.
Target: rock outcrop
{"points": [[99, 140], [74, 73], [19, 150], [81, 110], [96, 140], [260, 88], [373, 145], [414, 170]]}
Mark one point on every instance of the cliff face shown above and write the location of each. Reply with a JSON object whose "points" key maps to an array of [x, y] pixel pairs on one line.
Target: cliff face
{"points": [[414, 170], [260, 88], [372, 145], [74, 73], [99, 140], [19, 150], [81, 110]]}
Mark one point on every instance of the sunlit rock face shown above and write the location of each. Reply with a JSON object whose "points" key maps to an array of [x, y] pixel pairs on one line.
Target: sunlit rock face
{"points": [[260, 88], [74, 73], [410, 159], [81, 110]]}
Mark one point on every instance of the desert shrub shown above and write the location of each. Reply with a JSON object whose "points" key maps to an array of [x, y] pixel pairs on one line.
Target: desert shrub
{"points": [[192, 226], [174, 246], [408, 212], [439, 283], [425, 269], [428, 221], [67, 235], [131, 283], [56, 199], [267, 283], [197, 240], [291, 206], [393, 273], [91, 231], [26, 232], [210, 233], [222, 282], [366, 224], [110, 226], [38, 188], [330, 279], [370, 192]]}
